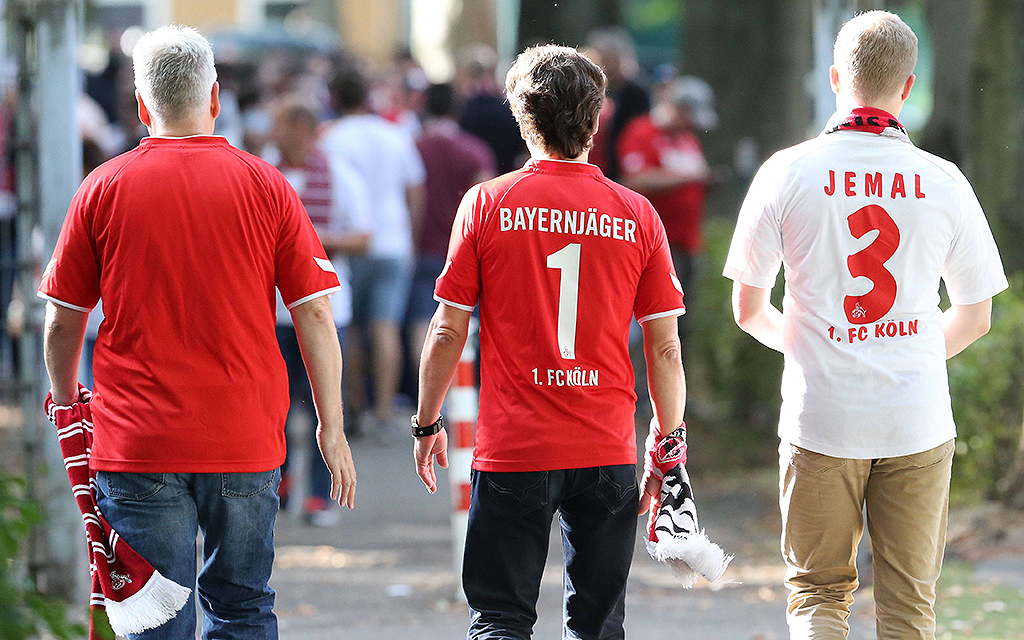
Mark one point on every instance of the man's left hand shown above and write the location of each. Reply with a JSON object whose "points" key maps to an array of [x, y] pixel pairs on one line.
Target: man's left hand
{"points": [[425, 451]]}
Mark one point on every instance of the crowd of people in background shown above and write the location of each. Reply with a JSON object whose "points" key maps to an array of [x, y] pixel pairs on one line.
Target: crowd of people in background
{"points": [[381, 158]]}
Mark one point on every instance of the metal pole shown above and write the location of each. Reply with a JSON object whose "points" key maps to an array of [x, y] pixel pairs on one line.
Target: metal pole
{"points": [[49, 165]]}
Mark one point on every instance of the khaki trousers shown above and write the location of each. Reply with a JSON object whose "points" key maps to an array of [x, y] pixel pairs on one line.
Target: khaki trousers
{"points": [[822, 499]]}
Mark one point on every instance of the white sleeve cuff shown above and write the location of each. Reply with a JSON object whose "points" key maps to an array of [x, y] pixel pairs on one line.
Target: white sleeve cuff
{"points": [[664, 314], [748, 278], [453, 304], [325, 292], [62, 303]]}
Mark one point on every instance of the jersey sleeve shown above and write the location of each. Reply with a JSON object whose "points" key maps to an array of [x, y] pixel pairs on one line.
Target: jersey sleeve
{"points": [[459, 283], [755, 254], [303, 271], [659, 293], [72, 278], [972, 271]]}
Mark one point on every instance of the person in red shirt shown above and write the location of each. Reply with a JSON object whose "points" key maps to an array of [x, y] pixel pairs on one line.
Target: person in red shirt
{"points": [[661, 157], [185, 238], [560, 259]]}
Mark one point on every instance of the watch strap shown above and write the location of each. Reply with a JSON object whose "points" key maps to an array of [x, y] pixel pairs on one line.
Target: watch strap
{"points": [[419, 431]]}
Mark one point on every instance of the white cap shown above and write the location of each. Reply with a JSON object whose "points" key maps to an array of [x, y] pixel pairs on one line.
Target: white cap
{"points": [[697, 97]]}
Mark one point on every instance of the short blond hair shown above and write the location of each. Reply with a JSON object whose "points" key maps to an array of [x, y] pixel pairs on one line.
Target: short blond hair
{"points": [[875, 53]]}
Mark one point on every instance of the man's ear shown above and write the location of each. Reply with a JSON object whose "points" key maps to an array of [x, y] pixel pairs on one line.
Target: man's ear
{"points": [[907, 86], [215, 100], [833, 79], [144, 115]]}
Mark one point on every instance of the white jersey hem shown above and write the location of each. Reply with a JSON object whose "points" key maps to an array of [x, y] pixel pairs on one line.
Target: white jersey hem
{"points": [[870, 453]]}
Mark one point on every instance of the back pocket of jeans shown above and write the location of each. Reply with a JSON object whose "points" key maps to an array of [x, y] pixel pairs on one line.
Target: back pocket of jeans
{"points": [[246, 484], [518, 492], [129, 486], [616, 486]]}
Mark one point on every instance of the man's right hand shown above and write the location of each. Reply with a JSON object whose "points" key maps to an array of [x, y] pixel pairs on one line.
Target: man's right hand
{"points": [[338, 457], [425, 451]]}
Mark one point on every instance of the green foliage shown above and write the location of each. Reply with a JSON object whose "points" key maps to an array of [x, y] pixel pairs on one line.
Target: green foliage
{"points": [[734, 381], [985, 382], [23, 610]]}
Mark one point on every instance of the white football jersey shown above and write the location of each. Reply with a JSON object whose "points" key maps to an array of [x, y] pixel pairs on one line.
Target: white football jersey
{"points": [[865, 225]]}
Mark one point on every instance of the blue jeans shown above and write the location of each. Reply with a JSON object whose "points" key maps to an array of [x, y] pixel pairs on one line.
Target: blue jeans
{"points": [[159, 515], [510, 518]]}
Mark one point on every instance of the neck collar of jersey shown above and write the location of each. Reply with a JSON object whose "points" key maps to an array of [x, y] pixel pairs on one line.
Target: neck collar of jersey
{"points": [[197, 138], [868, 120], [562, 166]]}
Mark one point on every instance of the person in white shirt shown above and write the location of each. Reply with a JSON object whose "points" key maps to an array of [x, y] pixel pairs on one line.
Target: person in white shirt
{"points": [[388, 162], [866, 225], [336, 200]]}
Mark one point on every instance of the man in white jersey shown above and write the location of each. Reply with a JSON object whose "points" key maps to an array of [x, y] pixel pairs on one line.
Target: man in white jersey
{"points": [[866, 224]]}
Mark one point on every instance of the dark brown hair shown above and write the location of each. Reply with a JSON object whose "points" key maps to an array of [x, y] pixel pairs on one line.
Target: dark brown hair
{"points": [[556, 95]]}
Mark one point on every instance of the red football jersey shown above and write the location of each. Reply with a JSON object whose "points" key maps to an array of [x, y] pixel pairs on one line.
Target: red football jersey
{"points": [[185, 239], [641, 146], [560, 259]]}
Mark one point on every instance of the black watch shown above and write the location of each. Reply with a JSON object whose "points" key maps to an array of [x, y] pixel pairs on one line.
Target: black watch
{"points": [[419, 431]]}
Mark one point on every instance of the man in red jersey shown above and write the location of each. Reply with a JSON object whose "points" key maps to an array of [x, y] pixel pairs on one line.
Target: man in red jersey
{"points": [[560, 259], [661, 157], [185, 238]]}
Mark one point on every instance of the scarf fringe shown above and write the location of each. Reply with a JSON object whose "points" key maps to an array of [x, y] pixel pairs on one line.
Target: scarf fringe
{"points": [[690, 556], [154, 604]]}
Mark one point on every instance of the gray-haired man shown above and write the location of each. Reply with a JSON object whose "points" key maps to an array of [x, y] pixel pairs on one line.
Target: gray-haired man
{"points": [[185, 239]]}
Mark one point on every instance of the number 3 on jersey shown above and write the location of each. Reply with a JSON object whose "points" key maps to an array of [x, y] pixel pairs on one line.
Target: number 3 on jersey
{"points": [[567, 260], [870, 263]]}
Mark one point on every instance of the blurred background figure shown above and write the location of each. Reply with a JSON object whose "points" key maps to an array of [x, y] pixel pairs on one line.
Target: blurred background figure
{"points": [[399, 96], [385, 156], [454, 160], [337, 203], [485, 113], [661, 157], [627, 98]]}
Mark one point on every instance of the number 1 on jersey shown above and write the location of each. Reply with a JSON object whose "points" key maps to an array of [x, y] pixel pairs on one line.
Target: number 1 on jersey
{"points": [[567, 260]]}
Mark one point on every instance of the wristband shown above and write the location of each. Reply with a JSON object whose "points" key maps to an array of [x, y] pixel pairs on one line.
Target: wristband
{"points": [[419, 431]]}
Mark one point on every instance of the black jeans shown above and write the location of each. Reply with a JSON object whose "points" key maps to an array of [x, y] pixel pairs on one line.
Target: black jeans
{"points": [[507, 544]]}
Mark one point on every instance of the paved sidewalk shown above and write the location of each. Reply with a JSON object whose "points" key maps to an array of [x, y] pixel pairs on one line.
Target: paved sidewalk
{"points": [[386, 573]]}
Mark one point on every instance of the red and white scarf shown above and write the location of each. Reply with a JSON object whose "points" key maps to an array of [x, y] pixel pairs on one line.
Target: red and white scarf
{"points": [[674, 536], [870, 120], [134, 594]]}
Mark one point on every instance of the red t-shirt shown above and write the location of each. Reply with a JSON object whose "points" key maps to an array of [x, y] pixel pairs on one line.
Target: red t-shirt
{"points": [[185, 239], [560, 259], [642, 146]]}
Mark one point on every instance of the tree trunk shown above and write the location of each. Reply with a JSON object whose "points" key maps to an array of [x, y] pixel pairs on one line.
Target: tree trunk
{"points": [[564, 22], [950, 127], [997, 151]]}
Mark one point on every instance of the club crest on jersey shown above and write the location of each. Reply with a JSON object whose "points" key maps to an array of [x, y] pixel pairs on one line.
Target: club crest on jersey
{"points": [[858, 311]]}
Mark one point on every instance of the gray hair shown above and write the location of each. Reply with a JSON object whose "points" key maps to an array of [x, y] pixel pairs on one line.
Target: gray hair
{"points": [[174, 72]]}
